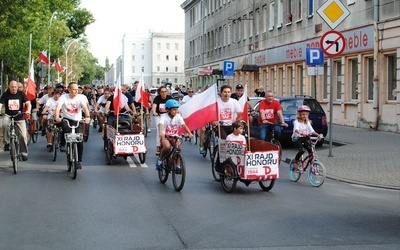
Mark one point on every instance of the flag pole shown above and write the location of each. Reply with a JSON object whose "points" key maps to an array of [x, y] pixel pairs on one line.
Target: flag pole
{"points": [[248, 119]]}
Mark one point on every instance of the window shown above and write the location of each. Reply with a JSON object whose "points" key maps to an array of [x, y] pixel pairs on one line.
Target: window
{"points": [[158, 57], [142, 57], [257, 22], [158, 68], [133, 47], [142, 68], [133, 57], [167, 45], [158, 81], [176, 69], [338, 80], [176, 46], [310, 9], [391, 76], [142, 46], [251, 22], [264, 18], [280, 81], [158, 45], [245, 28], [166, 69], [280, 14], [175, 80], [289, 81], [354, 78], [167, 57], [300, 79], [289, 11], [299, 11], [271, 15], [133, 69], [176, 57], [370, 78]]}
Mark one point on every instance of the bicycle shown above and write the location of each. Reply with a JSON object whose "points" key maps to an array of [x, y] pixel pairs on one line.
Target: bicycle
{"points": [[316, 173], [55, 138], [209, 141], [72, 139], [271, 137], [15, 151], [170, 162], [32, 126]]}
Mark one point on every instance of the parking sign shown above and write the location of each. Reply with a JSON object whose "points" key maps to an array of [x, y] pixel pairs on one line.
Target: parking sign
{"points": [[229, 68], [314, 56]]}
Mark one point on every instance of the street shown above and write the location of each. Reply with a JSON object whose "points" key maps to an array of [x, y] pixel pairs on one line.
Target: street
{"points": [[124, 206]]}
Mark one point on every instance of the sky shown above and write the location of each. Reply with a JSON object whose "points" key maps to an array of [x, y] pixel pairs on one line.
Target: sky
{"points": [[114, 18]]}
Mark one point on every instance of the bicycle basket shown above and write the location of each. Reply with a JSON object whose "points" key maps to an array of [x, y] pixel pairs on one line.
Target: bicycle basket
{"points": [[77, 137]]}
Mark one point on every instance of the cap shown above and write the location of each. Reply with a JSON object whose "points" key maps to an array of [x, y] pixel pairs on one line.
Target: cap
{"points": [[239, 86]]}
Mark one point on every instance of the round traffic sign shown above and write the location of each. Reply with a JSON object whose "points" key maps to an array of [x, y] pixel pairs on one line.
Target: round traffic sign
{"points": [[333, 43]]}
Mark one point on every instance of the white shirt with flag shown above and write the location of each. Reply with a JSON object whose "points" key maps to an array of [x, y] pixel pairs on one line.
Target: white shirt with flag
{"points": [[227, 111], [170, 126], [72, 107], [52, 104], [236, 138]]}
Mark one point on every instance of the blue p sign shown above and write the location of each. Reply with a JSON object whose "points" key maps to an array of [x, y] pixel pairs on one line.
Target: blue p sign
{"points": [[229, 68], [314, 56]]}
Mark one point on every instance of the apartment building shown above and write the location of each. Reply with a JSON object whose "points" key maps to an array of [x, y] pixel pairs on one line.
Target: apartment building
{"points": [[159, 57], [267, 41]]}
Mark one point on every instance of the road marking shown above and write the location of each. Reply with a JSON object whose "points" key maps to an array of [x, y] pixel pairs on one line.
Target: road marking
{"points": [[132, 164]]}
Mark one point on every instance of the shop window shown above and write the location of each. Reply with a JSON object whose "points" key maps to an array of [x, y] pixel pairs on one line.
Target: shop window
{"points": [[337, 81], [354, 78], [370, 78]]}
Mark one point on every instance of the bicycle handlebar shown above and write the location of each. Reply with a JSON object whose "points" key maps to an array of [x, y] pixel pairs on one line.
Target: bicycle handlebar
{"points": [[69, 125], [13, 116]]}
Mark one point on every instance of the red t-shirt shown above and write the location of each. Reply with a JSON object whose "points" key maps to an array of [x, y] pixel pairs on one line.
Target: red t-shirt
{"points": [[270, 111]]}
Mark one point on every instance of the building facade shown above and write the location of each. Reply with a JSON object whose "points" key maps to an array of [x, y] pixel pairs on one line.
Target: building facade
{"points": [[267, 40], [159, 57]]}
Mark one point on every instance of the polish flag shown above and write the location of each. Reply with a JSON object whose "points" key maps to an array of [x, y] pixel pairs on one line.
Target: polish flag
{"points": [[120, 100], [30, 90], [244, 105], [58, 66], [43, 57], [141, 96], [201, 109]]}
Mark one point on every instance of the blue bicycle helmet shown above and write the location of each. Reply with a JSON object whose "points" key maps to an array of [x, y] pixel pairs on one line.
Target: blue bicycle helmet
{"points": [[171, 103]]}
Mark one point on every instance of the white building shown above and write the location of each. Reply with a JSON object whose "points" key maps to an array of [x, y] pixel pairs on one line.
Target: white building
{"points": [[158, 56], [267, 41]]}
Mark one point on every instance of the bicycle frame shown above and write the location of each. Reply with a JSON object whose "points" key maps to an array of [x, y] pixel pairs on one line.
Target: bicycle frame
{"points": [[15, 151], [72, 148]]}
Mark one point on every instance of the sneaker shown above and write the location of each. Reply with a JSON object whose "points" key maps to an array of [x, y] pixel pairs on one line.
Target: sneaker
{"points": [[178, 169], [149, 131], [201, 151], [7, 147], [62, 148], [24, 157], [159, 164], [78, 165]]}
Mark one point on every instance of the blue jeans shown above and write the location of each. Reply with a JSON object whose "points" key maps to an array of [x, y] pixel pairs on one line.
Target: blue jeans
{"points": [[265, 129]]}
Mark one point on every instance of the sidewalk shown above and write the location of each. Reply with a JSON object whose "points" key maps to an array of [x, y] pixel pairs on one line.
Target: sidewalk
{"points": [[363, 156]]}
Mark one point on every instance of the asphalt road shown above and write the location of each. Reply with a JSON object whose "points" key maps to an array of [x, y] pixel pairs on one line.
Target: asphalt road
{"points": [[123, 206]]}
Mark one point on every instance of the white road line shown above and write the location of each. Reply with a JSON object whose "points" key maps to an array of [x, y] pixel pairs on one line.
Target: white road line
{"points": [[132, 164]]}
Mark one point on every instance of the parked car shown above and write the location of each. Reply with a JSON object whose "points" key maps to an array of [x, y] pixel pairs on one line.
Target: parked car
{"points": [[289, 110]]}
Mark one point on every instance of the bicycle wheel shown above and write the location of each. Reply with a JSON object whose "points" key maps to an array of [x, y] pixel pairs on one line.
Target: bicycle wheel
{"points": [[34, 133], [206, 145], [145, 127], [294, 173], [195, 137], [14, 154], [28, 132], [142, 158], [178, 176], [109, 152], [163, 173], [74, 152], [215, 164], [69, 162], [55, 143], [267, 184], [277, 143], [228, 176], [317, 174]]}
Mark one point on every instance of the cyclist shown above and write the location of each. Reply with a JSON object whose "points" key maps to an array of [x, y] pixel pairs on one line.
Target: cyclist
{"points": [[169, 125], [158, 108], [48, 113], [100, 106], [301, 128], [14, 101], [269, 112], [70, 106]]}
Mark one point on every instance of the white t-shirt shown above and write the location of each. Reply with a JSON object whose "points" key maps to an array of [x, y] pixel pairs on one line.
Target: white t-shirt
{"points": [[43, 100], [186, 98], [170, 126], [72, 108], [236, 138], [102, 100], [303, 128], [228, 111], [52, 104]]}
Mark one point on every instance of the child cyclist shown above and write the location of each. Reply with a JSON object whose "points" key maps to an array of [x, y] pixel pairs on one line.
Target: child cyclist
{"points": [[301, 128], [237, 134], [168, 126]]}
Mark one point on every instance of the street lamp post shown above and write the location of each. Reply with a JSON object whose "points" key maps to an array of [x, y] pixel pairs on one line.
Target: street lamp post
{"points": [[51, 20], [66, 59]]}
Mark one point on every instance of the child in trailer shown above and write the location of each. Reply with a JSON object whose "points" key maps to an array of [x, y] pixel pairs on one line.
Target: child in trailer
{"points": [[237, 134], [168, 127], [301, 128]]}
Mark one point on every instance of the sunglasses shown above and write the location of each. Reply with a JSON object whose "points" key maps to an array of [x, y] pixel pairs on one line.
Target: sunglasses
{"points": [[190, 91]]}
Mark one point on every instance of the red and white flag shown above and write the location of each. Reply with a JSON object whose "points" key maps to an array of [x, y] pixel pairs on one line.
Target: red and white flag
{"points": [[244, 105], [120, 100], [30, 90], [141, 96], [58, 66], [201, 109], [43, 57]]}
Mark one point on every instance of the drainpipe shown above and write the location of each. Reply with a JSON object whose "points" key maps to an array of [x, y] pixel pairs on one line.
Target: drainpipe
{"points": [[375, 103]]}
